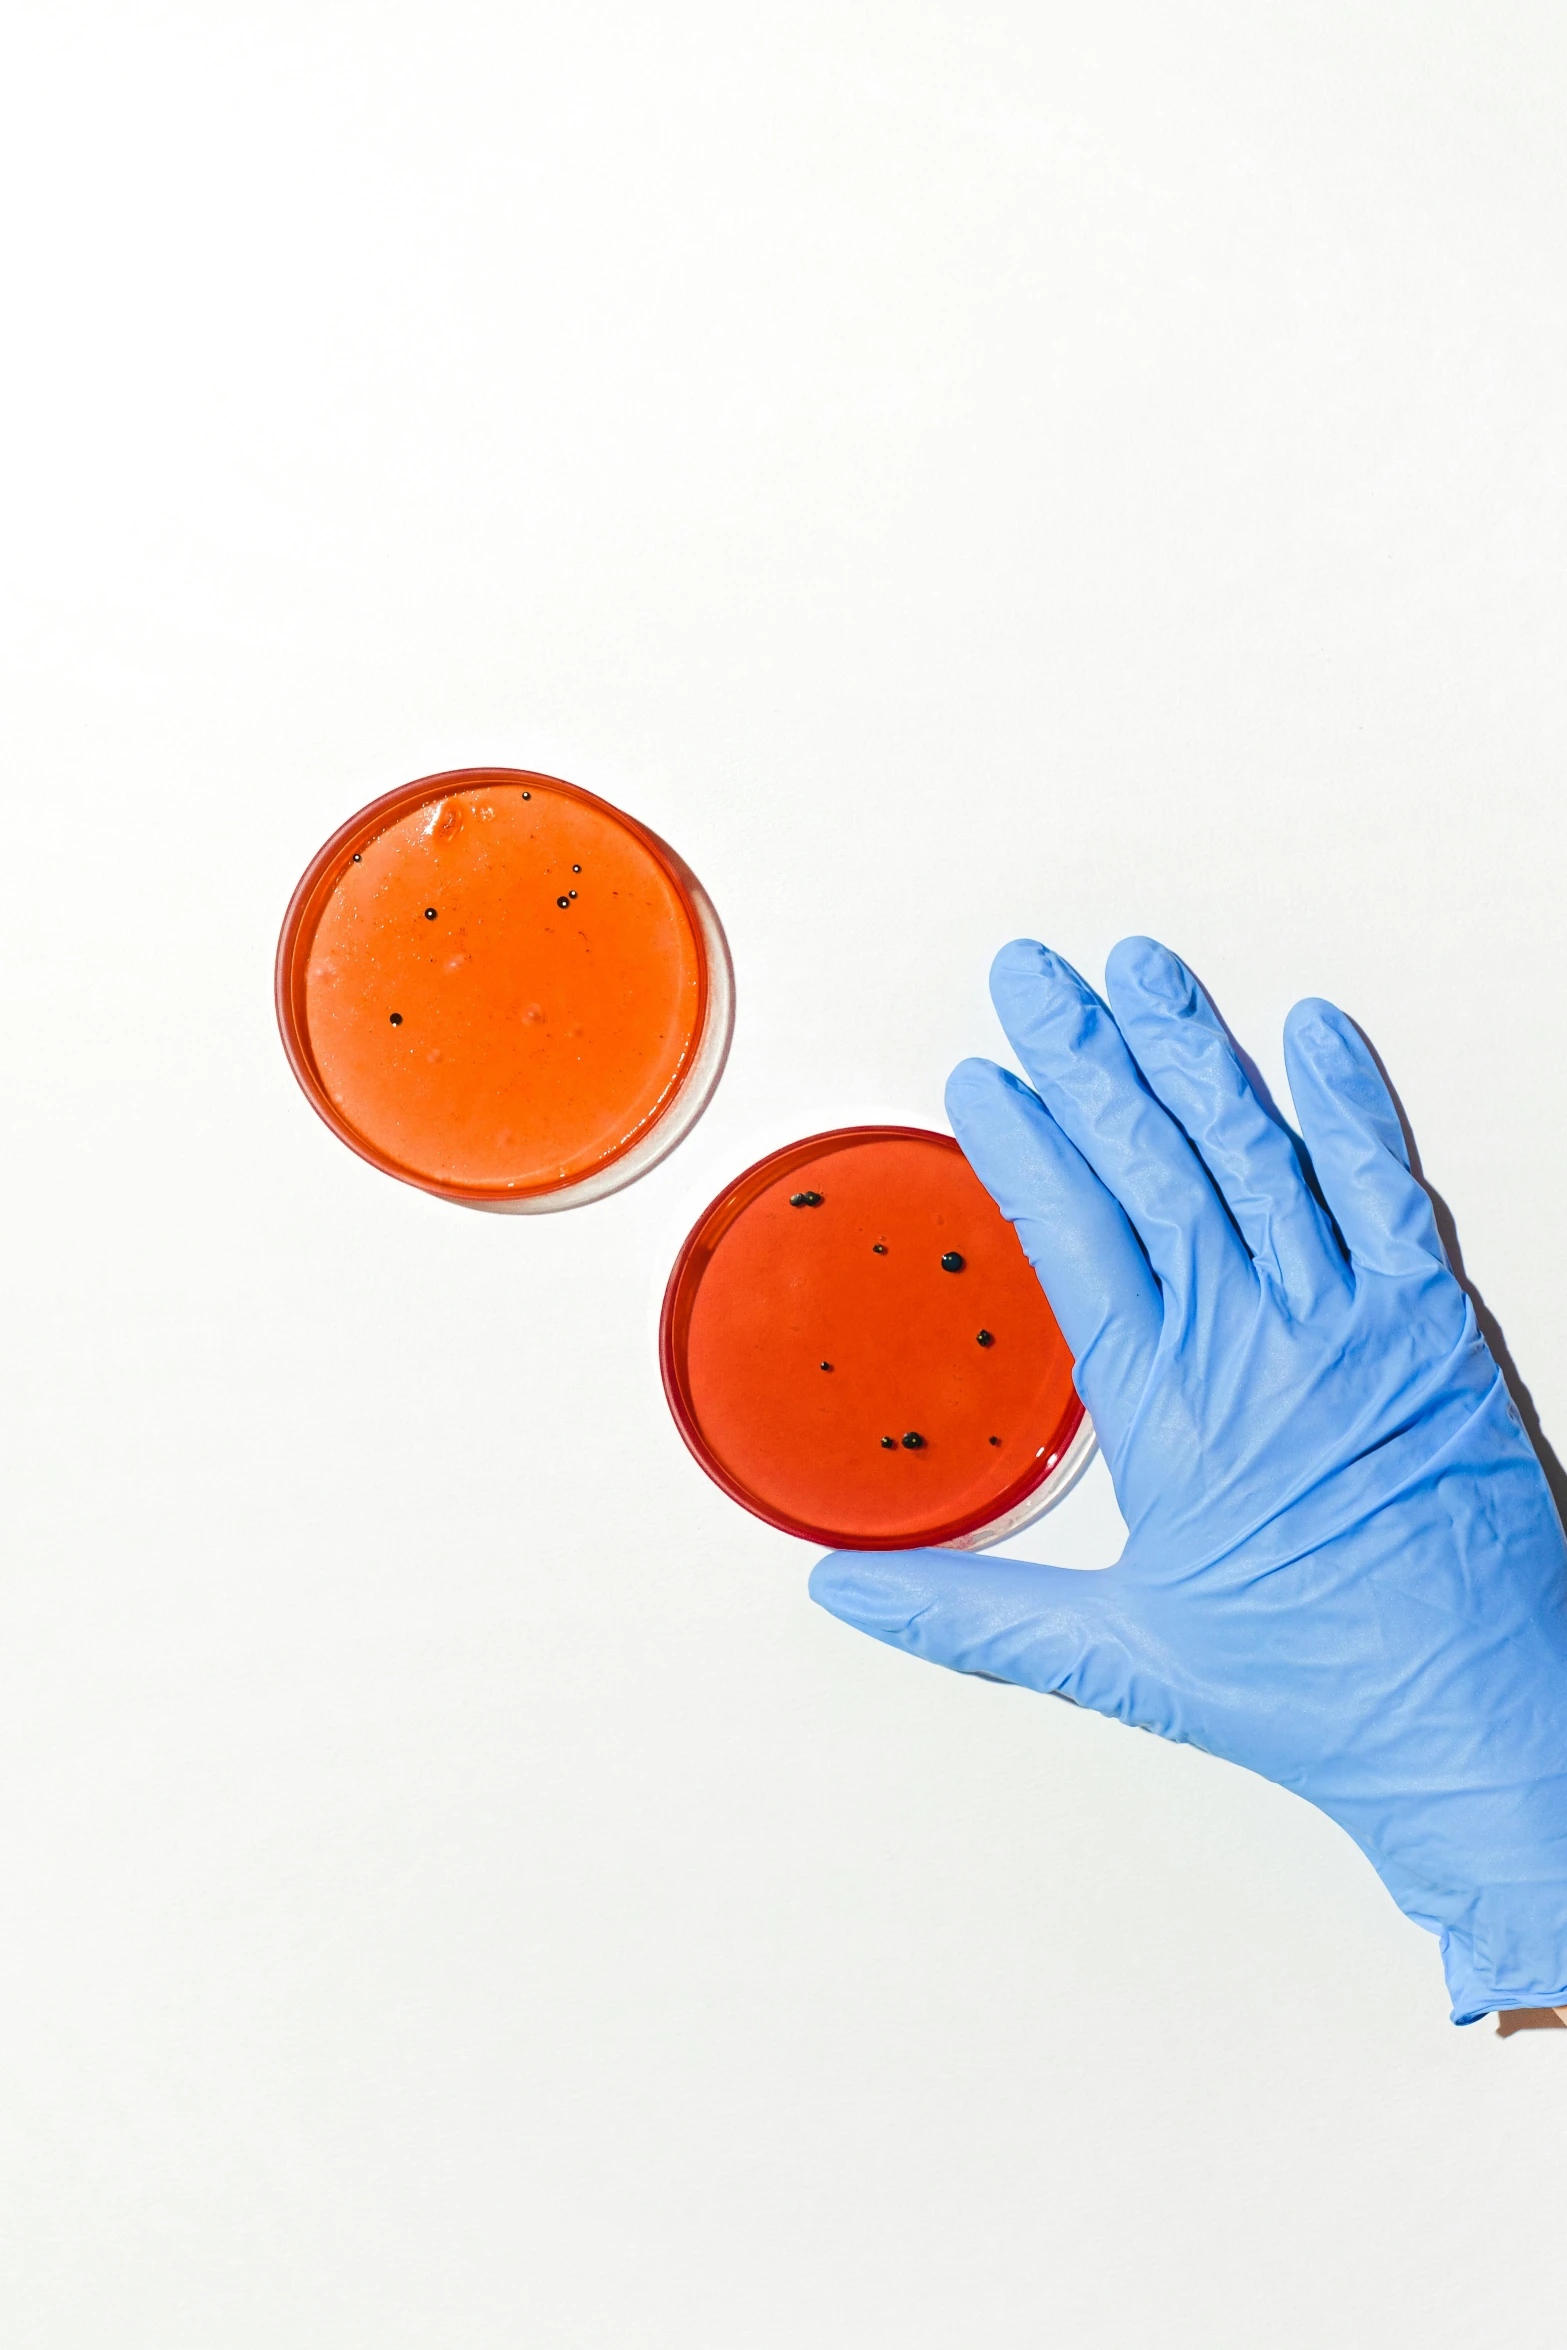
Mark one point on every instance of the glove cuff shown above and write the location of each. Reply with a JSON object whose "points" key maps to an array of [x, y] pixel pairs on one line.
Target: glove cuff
{"points": [[1510, 1952]]}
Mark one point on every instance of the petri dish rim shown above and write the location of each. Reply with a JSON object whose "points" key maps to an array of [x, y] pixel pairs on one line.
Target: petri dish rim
{"points": [[1039, 1488], [616, 1168]]}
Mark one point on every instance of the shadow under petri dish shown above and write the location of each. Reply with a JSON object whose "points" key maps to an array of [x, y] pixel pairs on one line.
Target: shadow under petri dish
{"points": [[855, 1348], [503, 990]]}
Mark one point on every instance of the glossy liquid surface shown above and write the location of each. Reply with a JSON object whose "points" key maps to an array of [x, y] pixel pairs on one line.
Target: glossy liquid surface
{"points": [[471, 1028], [765, 1294]]}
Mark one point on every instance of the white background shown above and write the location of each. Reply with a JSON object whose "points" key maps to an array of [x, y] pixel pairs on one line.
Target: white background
{"points": [[956, 469]]}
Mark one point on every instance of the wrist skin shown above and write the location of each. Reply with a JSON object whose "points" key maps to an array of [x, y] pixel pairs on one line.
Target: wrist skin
{"points": [[1529, 2019]]}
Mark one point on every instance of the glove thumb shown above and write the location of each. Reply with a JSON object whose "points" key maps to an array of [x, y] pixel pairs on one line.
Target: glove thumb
{"points": [[1054, 1629]]}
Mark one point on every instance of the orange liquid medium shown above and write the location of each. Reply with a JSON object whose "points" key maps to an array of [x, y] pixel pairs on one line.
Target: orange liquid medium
{"points": [[766, 1295], [496, 990]]}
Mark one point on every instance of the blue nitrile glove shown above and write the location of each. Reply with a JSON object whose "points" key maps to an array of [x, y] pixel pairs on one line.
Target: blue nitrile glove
{"points": [[1343, 1568]]}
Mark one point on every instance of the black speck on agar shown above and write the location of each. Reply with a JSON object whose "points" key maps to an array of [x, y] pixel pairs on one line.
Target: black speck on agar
{"points": [[429, 913], [913, 1441], [826, 1366], [397, 1019], [983, 1338], [563, 901], [878, 1248], [952, 1262], [805, 1199], [995, 1440], [889, 1444]]}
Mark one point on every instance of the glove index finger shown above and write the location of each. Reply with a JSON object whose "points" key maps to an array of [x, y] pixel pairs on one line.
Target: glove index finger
{"points": [[1073, 1233]]}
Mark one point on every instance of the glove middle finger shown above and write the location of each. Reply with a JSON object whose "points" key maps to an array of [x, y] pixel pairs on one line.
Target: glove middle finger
{"points": [[1077, 1060], [1189, 1061]]}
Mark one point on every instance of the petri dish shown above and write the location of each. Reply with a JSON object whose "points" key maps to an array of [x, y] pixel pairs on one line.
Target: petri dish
{"points": [[856, 1349], [497, 987]]}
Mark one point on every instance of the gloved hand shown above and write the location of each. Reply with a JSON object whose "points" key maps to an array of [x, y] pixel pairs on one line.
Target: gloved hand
{"points": [[1343, 1568]]}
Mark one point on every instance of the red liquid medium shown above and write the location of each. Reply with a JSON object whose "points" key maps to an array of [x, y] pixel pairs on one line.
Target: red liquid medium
{"points": [[493, 984], [766, 1295]]}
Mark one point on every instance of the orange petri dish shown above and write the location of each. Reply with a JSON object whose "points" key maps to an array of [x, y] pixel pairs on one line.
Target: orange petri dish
{"points": [[501, 989], [856, 1349]]}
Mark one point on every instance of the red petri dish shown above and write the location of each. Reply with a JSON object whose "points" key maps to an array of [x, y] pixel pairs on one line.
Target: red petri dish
{"points": [[856, 1349], [499, 988]]}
